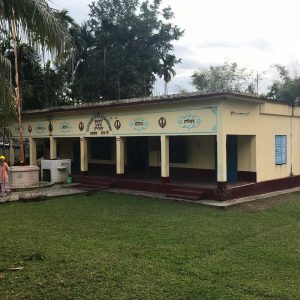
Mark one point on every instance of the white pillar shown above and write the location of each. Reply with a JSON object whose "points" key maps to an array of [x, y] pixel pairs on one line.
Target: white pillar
{"points": [[221, 159], [120, 155], [165, 165], [32, 151], [53, 147], [12, 152], [83, 155]]}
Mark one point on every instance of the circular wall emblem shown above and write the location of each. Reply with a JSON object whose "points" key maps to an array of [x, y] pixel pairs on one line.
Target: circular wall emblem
{"points": [[162, 122], [50, 127], [117, 124], [81, 126], [29, 128]]}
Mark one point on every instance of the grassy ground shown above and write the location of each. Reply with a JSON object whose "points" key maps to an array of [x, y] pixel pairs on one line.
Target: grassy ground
{"points": [[110, 246]]}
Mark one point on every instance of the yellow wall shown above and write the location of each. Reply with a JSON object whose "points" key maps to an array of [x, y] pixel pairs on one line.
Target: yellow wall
{"points": [[103, 122], [66, 147], [246, 153], [256, 124], [264, 121], [200, 154]]}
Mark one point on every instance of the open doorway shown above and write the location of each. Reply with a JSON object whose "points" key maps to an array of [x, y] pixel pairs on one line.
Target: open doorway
{"points": [[232, 158], [137, 154]]}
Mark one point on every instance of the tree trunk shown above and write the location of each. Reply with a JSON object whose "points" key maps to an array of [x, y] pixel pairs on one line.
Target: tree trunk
{"points": [[18, 96], [166, 88]]}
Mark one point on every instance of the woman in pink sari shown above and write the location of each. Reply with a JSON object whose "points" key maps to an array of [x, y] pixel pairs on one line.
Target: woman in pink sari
{"points": [[4, 169]]}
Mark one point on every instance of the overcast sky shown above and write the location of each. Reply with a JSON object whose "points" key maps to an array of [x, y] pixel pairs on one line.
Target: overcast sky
{"points": [[255, 34]]}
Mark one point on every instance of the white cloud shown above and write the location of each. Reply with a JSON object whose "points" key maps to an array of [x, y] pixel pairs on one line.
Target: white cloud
{"points": [[255, 43]]}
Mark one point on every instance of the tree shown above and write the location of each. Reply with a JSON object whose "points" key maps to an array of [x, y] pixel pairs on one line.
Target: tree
{"points": [[286, 88], [122, 49], [167, 69], [30, 71], [225, 77], [35, 22], [7, 109]]}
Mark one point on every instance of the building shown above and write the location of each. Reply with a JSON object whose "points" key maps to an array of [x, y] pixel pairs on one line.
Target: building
{"points": [[217, 146]]}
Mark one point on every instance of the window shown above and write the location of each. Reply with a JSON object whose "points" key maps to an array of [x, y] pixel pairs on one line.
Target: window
{"points": [[280, 149]]}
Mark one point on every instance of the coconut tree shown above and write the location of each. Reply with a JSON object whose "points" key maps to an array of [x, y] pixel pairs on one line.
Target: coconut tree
{"points": [[34, 22], [7, 108], [166, 69]]}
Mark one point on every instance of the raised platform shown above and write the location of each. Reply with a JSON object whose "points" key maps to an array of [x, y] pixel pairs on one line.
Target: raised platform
{"points": [[183, 190], [187, 190]]}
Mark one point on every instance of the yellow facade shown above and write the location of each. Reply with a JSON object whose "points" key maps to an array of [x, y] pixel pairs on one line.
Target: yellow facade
{"points": [[206, 121], [264, 121]]}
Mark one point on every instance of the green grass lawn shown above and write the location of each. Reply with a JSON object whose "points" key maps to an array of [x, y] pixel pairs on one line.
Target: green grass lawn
{"points": [[110, 246]]}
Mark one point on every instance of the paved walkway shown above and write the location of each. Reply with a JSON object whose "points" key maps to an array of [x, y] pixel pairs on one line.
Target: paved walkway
{"points": [[38, 193], [207, 202], [67, 189]]}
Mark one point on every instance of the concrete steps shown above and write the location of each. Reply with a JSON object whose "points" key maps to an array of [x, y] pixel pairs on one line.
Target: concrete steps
{"points": [[185, 194], [91, 184]]}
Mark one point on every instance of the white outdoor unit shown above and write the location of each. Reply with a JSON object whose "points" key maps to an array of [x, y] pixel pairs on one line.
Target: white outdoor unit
{"points": [[55, 170]]}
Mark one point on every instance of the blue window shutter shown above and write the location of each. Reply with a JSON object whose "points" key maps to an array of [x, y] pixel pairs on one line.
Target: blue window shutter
{"points": [[277, 150], [280, 149], [283, 149]]}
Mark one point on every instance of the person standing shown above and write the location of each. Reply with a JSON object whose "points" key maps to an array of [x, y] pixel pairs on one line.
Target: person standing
{"points": [[4, 169]]}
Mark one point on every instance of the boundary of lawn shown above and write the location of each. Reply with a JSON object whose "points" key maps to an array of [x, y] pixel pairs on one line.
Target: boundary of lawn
{"points": [[67, 190]]}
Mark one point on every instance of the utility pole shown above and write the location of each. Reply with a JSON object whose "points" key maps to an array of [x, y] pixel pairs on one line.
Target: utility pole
{"points": [[257, 79]]}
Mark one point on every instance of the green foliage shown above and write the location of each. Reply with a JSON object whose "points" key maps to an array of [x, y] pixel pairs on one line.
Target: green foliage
{"points": [[39, 27], [111, 246], [286, 88], [116, 54], [31, 76], [36, 24], [36, 81], [123, 46], [7, 107], [225, 77]]}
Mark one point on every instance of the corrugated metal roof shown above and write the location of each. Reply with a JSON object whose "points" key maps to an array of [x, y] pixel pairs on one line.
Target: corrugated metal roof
{"points": [[196, 96]]}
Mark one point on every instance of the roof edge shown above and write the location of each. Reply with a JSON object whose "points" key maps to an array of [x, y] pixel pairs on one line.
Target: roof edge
{"points": [[150, 100]]}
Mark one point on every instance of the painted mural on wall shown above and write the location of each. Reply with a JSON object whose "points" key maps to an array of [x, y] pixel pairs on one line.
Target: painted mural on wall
{"points": [[81, 126], [117, 124], [162, 122], [40, 128], [196, 121], [189, 121], [99, 125], [139, 124], [65, 127]]}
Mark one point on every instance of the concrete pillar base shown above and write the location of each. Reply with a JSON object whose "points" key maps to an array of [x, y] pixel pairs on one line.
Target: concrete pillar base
{"points": [[222, 185], [221, 190], [165, 179]]}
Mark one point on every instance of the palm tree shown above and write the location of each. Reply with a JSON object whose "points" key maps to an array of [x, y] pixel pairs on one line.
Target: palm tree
{"points": [[36, 23], [166, 69], [7, 108]]}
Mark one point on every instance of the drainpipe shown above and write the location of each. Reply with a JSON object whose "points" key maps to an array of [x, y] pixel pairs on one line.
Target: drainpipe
{"points": [[291, 132]]}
